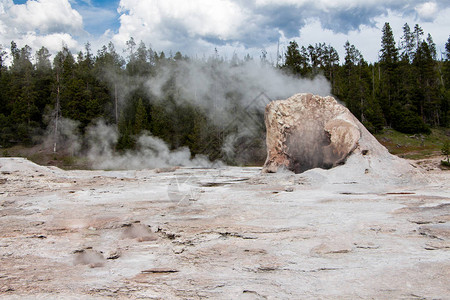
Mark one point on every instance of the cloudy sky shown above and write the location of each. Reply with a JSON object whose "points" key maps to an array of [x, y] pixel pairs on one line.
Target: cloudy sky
{"points": [[197, 27]]}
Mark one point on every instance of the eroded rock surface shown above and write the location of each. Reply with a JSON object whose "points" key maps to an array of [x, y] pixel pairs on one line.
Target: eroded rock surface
{"points": [[308, 131], [238, 234]]}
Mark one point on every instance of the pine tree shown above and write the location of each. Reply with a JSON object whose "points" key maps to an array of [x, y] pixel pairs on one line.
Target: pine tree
{"points": [[4, 89], [296, 61], [357, 89], [42, 59], [432, 47], [447, 65], [330, 63], [427, 89], [418, 32], [125, 140], [445, 107], [351, 82], [43, 82], [408, 79], [24, 113], [141, 121], [407, 44], [389, 72], [108, 69], [3, 56]]}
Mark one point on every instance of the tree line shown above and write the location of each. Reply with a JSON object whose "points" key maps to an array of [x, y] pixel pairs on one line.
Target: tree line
{"points": [[408, 89]]}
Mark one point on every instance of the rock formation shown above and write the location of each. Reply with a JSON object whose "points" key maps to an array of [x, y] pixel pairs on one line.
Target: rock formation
{"points": [[308, 131]]}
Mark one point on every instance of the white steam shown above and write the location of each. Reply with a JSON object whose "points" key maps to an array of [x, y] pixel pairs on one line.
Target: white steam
{"points": [[227, 93], [151, 152], [67, 137], [216, 86]]}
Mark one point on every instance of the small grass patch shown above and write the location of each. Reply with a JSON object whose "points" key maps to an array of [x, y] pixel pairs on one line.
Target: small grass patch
{"points": [[414, 146]]}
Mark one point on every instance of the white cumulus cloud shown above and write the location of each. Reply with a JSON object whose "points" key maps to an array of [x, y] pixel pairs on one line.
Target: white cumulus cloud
{"points": [[163, 22], [427, 11], [180, 24], [197, 27], [40, 23]]}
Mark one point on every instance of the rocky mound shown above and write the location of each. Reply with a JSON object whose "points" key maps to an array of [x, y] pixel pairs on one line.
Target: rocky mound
{"points": [[308, 131], [23, 165]]}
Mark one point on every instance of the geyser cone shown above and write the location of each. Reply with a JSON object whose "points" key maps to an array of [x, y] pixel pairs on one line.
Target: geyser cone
{"points": [[308, 131]]}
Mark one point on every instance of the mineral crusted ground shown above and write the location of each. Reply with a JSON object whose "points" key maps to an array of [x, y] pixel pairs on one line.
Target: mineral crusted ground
{"points": [[230, 233]]}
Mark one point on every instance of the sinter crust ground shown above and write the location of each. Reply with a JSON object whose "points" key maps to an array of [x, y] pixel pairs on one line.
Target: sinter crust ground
{"points": [[230, 233]]}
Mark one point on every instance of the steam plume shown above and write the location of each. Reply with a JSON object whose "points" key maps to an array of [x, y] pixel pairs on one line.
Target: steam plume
{"points": [[151, 152], [219, 88]]}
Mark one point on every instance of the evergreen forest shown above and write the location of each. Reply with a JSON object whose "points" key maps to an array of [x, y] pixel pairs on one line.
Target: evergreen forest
{"points": [[407, 89]]}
